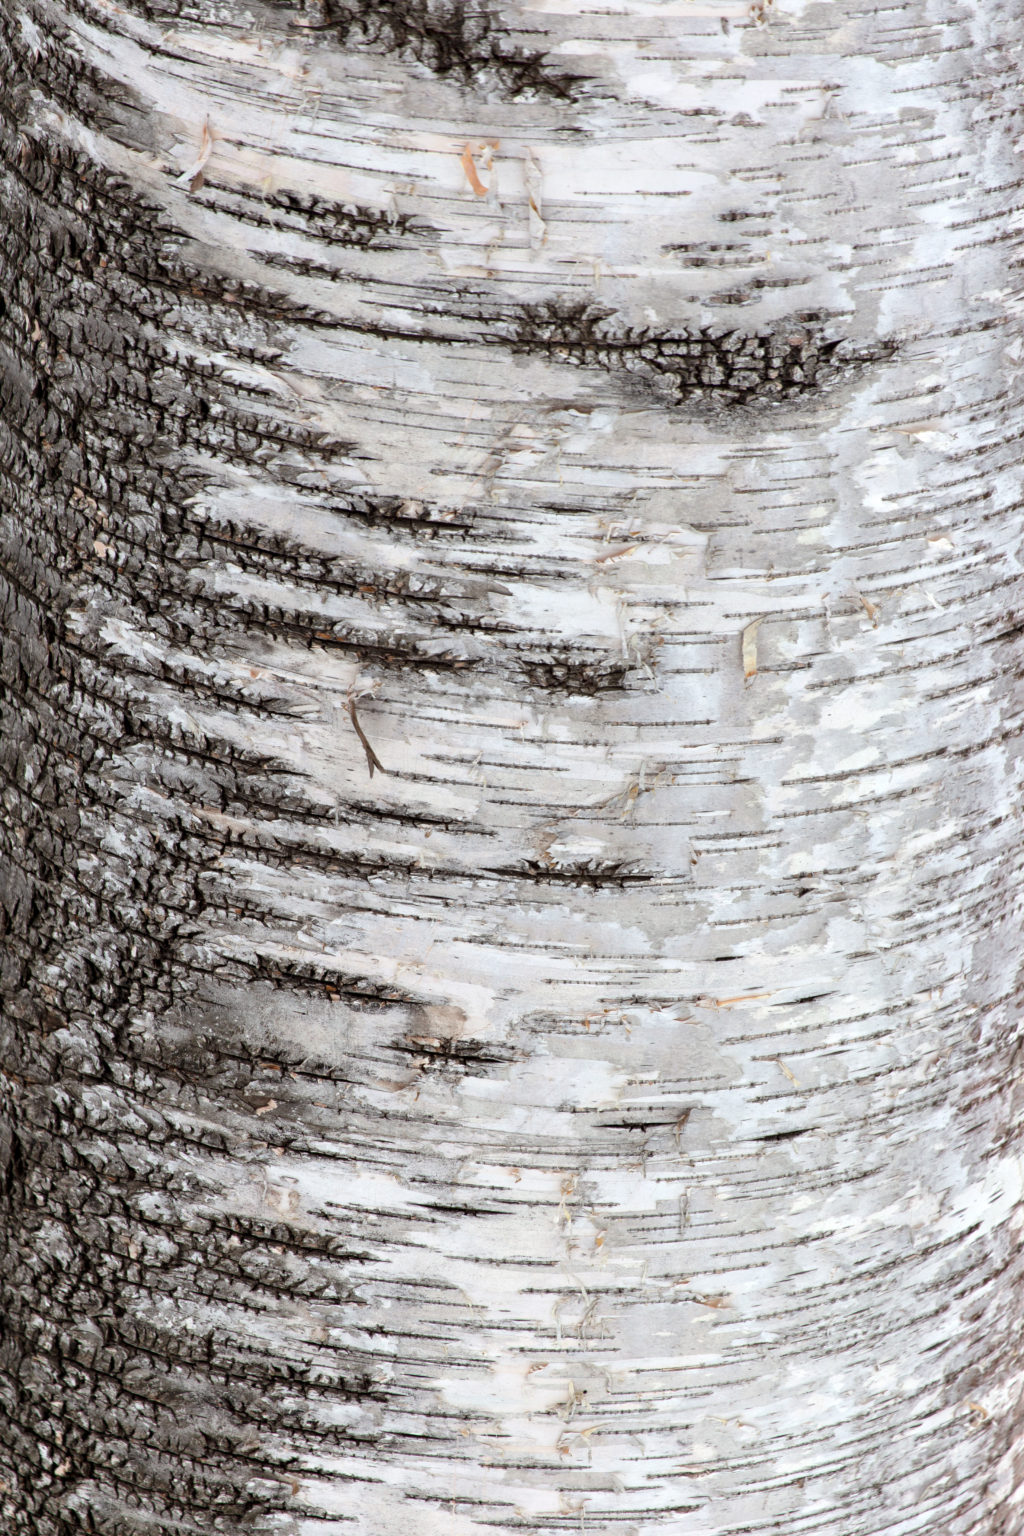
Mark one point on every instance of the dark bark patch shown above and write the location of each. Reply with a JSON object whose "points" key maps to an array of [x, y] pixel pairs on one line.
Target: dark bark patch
{"points": [[110, 1117], [79, 86], [575, 670], [458, 39], [728, 366], [399, 516], [453, 1056]]}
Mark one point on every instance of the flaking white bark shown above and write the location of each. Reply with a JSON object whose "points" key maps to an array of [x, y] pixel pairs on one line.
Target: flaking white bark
{"points": [[680, 1149]]}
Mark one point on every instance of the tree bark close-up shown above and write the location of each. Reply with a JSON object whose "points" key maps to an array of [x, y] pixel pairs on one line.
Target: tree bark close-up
{"points": [[511, 613]]}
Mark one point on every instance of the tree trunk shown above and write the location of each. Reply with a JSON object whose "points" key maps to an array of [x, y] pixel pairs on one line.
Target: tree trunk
{"points": [[512, 606]]}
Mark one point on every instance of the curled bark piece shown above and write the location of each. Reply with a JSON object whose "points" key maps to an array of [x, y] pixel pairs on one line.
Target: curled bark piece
{"points": [[372, 760], [749, 649]]}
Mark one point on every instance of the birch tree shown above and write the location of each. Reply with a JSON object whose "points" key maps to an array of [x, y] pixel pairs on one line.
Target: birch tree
{"points": [[512, 610]]}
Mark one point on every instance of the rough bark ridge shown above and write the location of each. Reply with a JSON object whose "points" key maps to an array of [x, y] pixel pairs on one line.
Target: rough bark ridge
{"points": [[512, 607]]}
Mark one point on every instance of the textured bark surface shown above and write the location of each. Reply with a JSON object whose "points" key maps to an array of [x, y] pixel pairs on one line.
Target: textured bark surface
{"points": [[512, 604]]}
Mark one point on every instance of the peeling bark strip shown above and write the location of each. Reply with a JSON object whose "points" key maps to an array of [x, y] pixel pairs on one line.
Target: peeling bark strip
{"points": [[606, 1120], [372, 760]]}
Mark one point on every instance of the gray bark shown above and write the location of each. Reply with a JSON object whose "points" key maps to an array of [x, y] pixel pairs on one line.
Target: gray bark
{"points": [[510, 574]]}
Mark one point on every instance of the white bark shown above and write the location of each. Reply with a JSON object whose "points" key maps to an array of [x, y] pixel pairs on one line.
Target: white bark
{"points": [[679, 1153]]}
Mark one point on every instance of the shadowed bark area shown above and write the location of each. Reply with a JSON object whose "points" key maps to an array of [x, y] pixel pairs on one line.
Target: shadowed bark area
{"points": [[510, 850]]}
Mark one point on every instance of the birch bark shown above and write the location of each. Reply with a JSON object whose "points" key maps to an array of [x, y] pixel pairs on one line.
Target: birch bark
{"points": [[512, 657]]}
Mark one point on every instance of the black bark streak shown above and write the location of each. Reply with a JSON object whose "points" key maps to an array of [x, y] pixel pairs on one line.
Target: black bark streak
{"points": [[592, 874], [345, 225]]}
